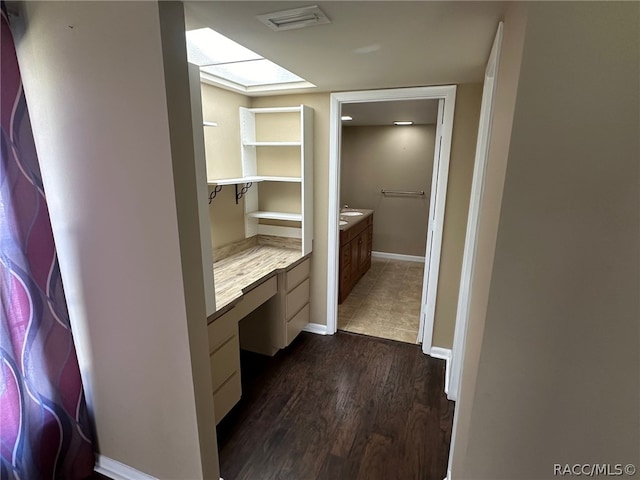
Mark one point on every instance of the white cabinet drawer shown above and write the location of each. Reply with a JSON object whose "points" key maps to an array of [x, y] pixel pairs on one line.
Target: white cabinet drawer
{"points": [[296, 299], [296, 275], [256, 297], [227, 396], [297, 323], [222, 329], [225, 361]]}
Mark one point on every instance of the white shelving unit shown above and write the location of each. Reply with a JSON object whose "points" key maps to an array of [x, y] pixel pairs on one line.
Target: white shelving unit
{"points": [[252, 172]]}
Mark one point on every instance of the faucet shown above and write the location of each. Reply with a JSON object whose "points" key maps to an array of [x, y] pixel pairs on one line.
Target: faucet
{"points": [[345, 206]]}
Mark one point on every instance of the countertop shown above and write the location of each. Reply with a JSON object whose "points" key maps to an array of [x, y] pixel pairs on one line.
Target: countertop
{"points": [[239, 273], [351, 221]]}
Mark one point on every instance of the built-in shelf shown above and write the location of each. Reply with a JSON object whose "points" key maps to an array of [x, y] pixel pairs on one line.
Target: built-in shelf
{"points": [[228, 181], [274, 110], [254, 179], [272, 144], [264, 160], [293, 217]]}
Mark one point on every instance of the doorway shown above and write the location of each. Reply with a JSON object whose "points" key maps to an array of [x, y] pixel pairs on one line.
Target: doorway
{"points": [[387, 154], [445, 95]]}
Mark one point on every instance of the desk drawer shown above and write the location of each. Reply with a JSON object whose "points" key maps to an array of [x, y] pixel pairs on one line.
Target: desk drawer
{"points": [[296, 299], [227, 396], [256, 297], [225, 361], [297, 323], [296, 275], [222, 329]]}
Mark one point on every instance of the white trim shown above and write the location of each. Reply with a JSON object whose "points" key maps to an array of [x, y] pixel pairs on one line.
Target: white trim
{"points": [[436, 219], [445, 93], [443, 354], [398, 256], [316, 328], [119, 471], [473, 220]]}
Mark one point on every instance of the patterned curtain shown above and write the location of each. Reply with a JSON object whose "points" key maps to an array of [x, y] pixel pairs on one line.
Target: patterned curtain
{"points": [[44, 424]]}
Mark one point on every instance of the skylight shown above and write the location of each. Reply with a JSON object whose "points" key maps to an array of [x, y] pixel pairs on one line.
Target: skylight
{"points": [[227, 63]]}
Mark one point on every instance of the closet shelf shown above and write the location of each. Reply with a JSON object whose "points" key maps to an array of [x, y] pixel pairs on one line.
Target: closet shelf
{"points": [[294, 217], [272, 144], [275, 109], [254, 179]]}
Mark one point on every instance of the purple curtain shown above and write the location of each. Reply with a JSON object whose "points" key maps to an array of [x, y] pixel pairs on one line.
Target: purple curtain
{"points": [[44, 425]]}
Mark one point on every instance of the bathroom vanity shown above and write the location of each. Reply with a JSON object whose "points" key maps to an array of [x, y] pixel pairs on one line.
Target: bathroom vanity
{"points": [[356, 243]]}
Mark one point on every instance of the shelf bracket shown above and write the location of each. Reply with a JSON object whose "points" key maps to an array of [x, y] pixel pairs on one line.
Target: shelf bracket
{"points": [[214, 192], [243, 190]]}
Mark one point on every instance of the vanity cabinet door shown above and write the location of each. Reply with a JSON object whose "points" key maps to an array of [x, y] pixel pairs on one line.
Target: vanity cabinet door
{"points": [[363, 253], [345, 272]]}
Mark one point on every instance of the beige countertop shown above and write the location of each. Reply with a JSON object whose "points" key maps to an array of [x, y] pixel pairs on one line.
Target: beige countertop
{"points": [[351, 221], [244, 270]]}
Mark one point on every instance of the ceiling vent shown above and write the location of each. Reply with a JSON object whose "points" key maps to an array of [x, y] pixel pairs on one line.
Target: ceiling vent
{"points": [[294, 18]]}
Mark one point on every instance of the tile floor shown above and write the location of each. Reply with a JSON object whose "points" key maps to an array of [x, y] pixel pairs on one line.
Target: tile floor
{"points": [[386, 301]]}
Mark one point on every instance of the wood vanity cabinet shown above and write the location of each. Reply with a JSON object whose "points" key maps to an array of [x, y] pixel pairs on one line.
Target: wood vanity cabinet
{"points": [[356, 244]]}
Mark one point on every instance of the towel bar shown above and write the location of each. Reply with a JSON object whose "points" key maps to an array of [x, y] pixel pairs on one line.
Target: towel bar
{"points": [[400, 192]]}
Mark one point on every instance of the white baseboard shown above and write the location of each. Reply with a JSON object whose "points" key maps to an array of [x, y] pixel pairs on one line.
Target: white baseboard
{"points": [[445, 354], [398, 256], [316, 328], [119, 471]]}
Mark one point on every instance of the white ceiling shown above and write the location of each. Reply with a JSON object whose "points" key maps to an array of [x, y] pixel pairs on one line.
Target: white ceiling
{"points": [[420, 112], [368, 45]]}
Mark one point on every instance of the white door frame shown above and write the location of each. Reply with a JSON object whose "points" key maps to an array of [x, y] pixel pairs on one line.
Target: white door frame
{"points": [[473, 219], [447, 94]]}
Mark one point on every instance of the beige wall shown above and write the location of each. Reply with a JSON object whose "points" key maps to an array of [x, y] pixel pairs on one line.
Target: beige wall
{"points": [[559, 369], [393, 158], [463, 150], [222, 151], [111, 152], [222, 143]]}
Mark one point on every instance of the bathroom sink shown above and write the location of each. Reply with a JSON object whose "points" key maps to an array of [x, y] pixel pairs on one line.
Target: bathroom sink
{"points": [[342, 222], [350, 214]]}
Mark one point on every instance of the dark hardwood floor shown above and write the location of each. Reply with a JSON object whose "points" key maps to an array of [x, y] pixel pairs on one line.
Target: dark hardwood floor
{"points": [[339, 407]]}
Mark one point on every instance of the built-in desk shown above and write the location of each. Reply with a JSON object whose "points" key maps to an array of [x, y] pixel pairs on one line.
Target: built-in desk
{"points": [[262, 303]]}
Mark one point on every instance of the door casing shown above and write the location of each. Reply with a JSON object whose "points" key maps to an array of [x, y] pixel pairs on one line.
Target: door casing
{"points": [[445, 94]]}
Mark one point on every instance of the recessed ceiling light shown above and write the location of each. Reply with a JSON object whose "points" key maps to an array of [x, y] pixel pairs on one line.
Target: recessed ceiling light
{"points": [[402, 123], [346, 118], [294, 18]]}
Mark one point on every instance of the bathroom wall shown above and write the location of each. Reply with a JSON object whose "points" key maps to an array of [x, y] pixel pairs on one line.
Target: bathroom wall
{"points": [[396, 158]]}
